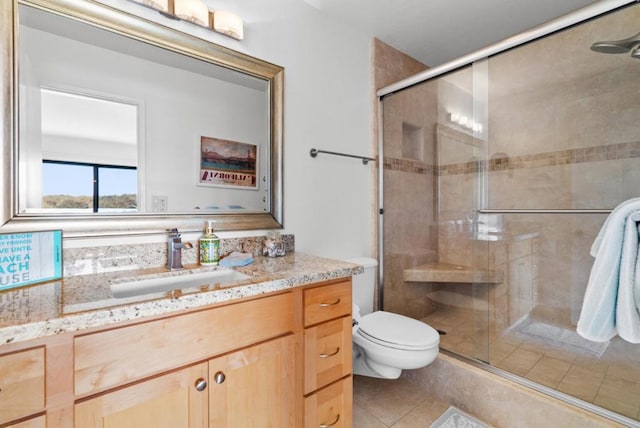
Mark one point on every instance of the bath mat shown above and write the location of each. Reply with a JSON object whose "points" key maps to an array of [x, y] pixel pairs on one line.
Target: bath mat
{"points": [[456, 418], [560, 337]]}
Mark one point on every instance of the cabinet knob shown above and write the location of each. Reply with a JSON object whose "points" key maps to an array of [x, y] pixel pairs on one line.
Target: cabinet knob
{"points": [[219, 377], [201, 384], [331, 424], [324, 305]]}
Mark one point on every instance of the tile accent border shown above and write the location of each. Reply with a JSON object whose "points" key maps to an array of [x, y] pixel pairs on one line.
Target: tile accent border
{"points": [[408, 165], [502, 162]]}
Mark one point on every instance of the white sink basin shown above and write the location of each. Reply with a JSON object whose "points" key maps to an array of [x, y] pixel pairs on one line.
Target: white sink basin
{"points": [[161, 284]]}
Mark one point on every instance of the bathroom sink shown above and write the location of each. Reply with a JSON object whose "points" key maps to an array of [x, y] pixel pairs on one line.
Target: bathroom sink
{"points": [[184, 282]]}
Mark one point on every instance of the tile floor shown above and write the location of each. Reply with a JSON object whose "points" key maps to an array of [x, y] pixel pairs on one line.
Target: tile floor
{"points": [[381, 403], [611, 381]]}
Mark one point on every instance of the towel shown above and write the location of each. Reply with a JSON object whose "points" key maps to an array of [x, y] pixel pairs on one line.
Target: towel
{"points": [[611, 300], [236, 259]]}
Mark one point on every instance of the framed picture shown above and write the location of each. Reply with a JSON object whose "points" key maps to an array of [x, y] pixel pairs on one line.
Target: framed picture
{"points": [[226, 163]]}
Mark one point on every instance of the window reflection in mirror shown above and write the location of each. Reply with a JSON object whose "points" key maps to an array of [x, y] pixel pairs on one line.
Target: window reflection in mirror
{"points": [[69, 187], [89, 155]]}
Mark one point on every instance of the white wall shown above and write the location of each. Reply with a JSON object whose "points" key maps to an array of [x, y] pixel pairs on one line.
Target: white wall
{"points": [[327, 200]]}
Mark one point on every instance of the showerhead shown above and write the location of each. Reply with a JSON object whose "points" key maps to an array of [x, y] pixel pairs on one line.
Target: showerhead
{"points": [[635, 53], [617, 46]]}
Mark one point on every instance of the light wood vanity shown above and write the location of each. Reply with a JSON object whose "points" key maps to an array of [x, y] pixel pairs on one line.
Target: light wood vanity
{"points": [[281, 359]]}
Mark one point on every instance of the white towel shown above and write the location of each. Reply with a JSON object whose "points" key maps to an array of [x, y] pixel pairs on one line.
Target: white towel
{"points": [[610, 301]]}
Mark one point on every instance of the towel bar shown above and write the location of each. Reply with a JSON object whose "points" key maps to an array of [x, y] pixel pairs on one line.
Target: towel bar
{"points": [[365, 159]]}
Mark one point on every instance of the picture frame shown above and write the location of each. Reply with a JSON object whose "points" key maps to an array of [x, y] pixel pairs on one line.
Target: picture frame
{"points": [[227, 163]]}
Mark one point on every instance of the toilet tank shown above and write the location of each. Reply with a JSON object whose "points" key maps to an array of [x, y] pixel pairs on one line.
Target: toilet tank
{"points": [[364, 284]]}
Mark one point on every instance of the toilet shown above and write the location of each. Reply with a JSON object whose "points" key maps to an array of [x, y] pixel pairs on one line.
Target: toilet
{"points": [[385, 343]]}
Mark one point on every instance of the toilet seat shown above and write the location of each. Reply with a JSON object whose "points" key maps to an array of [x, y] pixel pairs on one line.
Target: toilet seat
{"points": [[397, 331]]}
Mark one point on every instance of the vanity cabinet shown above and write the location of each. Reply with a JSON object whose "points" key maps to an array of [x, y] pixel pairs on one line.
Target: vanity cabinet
{"points": [[251, 387], [251, 383], [281, 360], [109, 358], [328, 356]]}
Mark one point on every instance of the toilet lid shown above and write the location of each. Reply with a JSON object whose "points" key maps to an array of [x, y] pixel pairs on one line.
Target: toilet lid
{"points": [[397, 331]]}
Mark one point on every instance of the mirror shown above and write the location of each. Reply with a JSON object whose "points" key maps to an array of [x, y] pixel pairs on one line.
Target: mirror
{"points": [[122, 125]]}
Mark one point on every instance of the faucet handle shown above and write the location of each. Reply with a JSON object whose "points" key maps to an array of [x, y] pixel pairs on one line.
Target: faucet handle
{"points": [[173, 232]]}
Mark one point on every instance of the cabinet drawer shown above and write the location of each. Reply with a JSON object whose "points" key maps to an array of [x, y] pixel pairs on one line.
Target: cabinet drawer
{"points": [[331, 406], [327, 353], [21, 384], [114, 357], [327, 302]]}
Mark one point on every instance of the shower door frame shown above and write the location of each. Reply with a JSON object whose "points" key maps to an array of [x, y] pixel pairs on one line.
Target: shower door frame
{"points": [[558, 24]]}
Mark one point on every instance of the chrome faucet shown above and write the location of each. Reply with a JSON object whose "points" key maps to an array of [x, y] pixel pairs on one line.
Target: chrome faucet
{"points": [[174, 250]]}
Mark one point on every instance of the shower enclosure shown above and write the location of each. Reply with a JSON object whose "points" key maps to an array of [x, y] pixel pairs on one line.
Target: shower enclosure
{"points": [[499, 170]]}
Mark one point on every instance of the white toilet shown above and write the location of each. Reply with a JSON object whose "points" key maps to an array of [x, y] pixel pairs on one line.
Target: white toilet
{"points": [[385, 343]]}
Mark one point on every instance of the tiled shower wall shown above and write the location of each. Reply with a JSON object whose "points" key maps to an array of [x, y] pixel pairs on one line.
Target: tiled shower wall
{"points": [[561, 132], [410, 237]]}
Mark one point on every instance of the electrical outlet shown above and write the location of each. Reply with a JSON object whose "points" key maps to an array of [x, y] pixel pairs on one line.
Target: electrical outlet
{"points": [[159, 204]]}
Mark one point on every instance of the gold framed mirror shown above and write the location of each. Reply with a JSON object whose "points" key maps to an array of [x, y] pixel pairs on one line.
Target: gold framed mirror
{"points": [[176, 136]]}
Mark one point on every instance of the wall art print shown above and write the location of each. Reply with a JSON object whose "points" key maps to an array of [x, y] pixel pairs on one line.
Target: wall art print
{"points": [[226, 163]]}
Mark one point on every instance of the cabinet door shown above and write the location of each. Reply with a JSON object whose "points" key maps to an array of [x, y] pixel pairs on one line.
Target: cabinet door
{"points": [[254, 387], [21, 384], [176, 399]]}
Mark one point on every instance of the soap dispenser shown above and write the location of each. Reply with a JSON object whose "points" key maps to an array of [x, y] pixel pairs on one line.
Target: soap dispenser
{"points": [[209, 246]]}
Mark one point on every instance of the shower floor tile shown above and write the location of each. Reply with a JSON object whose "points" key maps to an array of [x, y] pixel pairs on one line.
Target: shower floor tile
{"points": [[548, 371], [611, 380]]}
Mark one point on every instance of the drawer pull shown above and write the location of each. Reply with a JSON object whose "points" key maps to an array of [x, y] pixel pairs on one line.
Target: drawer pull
{"points": [[331, 424], [324, 305], [331, 354], [201, 384], [219, 377]]}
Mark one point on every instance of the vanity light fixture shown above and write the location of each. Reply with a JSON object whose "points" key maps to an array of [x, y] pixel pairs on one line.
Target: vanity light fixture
{"points": [[197, 12], [192, 10], [228, 24], [465, 123]]}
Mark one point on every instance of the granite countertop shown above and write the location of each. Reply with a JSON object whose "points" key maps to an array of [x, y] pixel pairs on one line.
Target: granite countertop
{"points": [[84, 301]]}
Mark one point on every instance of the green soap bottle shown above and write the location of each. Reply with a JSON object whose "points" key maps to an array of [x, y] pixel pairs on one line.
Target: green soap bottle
{"points": [[209, 246]]}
